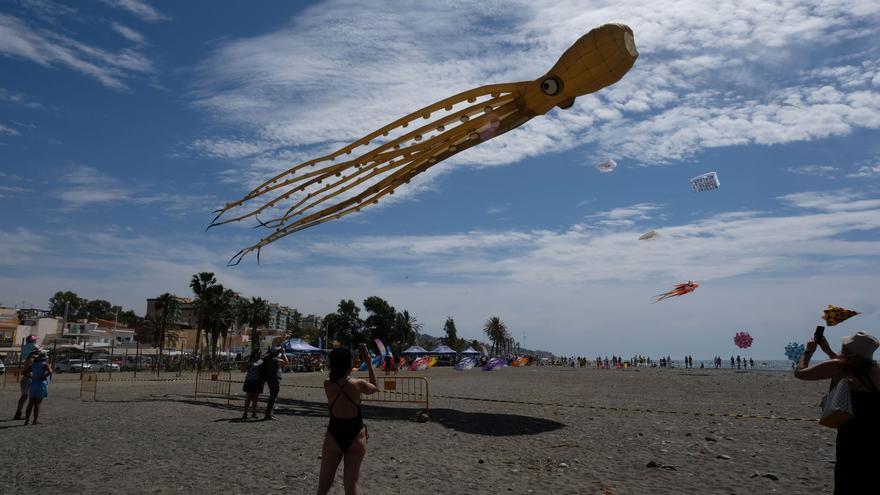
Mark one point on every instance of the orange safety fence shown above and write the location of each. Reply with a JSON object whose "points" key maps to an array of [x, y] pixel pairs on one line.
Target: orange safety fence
{"points": [[401, 389], [214, 383], [89, 383], [12, 375]]}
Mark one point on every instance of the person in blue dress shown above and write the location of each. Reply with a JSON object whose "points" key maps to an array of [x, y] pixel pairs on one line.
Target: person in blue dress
{"points": [[40, 371], [25, 383]]}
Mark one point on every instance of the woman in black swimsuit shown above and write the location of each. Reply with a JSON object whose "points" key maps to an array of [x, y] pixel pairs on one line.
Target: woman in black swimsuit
{"points": [[856, 439], [346, 434]]}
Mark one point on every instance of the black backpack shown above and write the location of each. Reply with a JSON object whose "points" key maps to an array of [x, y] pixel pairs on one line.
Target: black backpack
{"points": [[268, 369]]}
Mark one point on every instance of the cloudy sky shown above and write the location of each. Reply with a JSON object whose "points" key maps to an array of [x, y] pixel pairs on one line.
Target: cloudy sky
{"points": [[124, 123]]}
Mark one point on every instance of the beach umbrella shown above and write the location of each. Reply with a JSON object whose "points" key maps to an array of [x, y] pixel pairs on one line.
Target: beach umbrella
{"points": [[743, 340]]}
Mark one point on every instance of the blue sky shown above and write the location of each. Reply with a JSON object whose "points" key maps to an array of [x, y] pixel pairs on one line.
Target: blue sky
{"points": [[123, 123]]}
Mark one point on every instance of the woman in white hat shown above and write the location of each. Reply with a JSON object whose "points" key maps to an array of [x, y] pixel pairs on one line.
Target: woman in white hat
{"points": [[859, 436]]}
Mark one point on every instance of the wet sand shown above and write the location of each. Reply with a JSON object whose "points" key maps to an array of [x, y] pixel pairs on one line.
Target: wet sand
{"points": [[532, 430]]}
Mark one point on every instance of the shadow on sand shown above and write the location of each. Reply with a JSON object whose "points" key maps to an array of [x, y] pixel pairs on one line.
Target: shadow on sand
{"points": [[474, 423]]}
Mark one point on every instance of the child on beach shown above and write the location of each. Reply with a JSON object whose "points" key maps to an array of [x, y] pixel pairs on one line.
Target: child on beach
{"points": [[346, 436], [253, 385], [39, 370], [860, 434]]}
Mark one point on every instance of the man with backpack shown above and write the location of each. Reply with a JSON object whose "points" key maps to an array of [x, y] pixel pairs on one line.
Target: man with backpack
{"points": [[271, 371]]}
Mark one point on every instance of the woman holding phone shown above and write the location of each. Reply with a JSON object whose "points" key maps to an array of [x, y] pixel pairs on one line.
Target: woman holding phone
{"points": [[854, 469], [346, 436]]}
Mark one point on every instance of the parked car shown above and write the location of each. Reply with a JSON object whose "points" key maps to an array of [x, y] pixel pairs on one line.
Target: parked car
{"points": [[72, 366], [102, 365]]}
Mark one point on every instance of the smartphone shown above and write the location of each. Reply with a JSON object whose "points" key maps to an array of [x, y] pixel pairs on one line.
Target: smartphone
{"points": [[820, 331]]}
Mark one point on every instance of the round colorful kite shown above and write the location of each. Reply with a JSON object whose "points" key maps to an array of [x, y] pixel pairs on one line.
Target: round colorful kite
{"points": [[794, 351], [743, 340]]}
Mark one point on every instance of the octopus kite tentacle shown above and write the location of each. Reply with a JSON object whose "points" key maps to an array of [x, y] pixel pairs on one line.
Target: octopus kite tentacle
{"points": [[598, 59]]}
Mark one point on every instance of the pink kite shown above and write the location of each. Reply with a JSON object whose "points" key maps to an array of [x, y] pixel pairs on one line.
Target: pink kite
{"points": [[679, 290], [743, 340]]}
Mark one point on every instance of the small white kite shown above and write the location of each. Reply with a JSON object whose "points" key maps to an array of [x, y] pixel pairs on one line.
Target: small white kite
{"points": [[649, 236], [606, 166], [705, 182]]}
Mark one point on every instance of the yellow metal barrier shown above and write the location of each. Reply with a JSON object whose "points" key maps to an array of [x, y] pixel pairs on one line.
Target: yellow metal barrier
{"points": [[11, 375], [401, 389], [89, 383], [214, 383]]}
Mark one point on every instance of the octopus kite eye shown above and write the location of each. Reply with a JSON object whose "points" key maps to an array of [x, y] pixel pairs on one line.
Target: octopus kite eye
{"points": [[550, 86]]}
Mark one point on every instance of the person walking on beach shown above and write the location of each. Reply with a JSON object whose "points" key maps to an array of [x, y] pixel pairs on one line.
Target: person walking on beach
{"points": [[271, 370], [25, 381], [346, 436], [858, 436], [39, 370], [253, 385]]}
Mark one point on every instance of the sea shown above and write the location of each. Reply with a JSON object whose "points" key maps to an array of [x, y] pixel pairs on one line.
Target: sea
{"points": [[760, 364]]}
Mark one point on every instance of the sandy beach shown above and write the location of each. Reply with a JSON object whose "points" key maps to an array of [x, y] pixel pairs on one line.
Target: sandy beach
{"points": [[515, 430]]}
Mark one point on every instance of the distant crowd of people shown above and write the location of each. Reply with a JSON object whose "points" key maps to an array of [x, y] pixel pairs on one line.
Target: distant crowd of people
{"points": [[641, 361]]}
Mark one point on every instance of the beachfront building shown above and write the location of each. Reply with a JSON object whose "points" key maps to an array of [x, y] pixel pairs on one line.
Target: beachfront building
{"points": [[93, 334], [9, 322]]}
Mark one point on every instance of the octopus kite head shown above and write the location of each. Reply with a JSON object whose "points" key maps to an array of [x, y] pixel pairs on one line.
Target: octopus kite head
{"points": [[598, 59]]}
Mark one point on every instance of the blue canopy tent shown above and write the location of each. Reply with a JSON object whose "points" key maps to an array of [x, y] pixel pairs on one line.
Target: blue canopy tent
{"points": [[414, 350], [443, 350], [470, 351], [299, 346]]}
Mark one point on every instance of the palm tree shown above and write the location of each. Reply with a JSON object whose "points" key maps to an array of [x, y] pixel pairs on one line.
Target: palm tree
{"points": [[256, 313], [406, 328], [167, 308], [496, 331], [222, 315], [201, 283], [294, 325]]}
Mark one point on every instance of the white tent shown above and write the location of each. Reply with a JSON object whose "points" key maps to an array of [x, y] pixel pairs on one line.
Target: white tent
{"points": [[443, 349], [414, 350], [470, 350]]}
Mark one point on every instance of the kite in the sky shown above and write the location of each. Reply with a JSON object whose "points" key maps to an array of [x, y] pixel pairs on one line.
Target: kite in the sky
{"points": [[743, 340], [834, 315], [302, 199], [606, 166], [649, 236], [794, 351], [705, 182], [679, 290]]}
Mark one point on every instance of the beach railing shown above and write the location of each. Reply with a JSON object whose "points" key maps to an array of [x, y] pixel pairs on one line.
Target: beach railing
{"points": [[214, 383], [12, 375], [89, 383], [401, 389]]}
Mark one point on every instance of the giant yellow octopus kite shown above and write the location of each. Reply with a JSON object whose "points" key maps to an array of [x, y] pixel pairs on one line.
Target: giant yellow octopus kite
{"points": [[598, 59]]}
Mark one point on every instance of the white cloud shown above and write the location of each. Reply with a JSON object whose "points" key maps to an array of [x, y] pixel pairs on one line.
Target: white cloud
{"points": [[840, 200], [84, 186], [128, 33], [139, 8], [341, 70], [818, 170], [540, 281], [8, 130], [627, 215], [50, 49], [866, 171]]}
